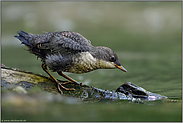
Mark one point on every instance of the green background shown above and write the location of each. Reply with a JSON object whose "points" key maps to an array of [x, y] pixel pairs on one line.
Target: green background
{"points": [[146, 36]]}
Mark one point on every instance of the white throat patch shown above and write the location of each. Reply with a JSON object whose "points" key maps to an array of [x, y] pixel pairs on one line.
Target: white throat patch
{"points": [[87, 59], [89, 63]]}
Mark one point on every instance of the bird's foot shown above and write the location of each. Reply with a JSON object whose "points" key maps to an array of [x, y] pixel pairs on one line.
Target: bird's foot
{"points": [[60, 85], [72, 82]]}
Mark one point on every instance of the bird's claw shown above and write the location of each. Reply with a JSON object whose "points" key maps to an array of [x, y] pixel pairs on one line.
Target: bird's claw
{"points": [[61, 86]]}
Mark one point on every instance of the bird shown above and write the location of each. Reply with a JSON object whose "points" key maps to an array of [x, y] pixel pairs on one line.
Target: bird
{"points": [[67, 51]]}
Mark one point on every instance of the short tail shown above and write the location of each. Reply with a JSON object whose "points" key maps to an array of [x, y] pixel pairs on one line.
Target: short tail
{"points": [[23, 37], [28, 40]]}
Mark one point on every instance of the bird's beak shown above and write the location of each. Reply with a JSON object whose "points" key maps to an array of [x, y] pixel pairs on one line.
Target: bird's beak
{"points": [[121, 68], [118, 65]]}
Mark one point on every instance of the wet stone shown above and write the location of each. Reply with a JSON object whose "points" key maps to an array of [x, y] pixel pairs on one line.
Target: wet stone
{"points": [[127, 91]]}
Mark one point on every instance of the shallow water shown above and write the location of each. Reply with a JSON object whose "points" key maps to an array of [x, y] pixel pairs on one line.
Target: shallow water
{"points": [[153, 75], [157, 74], [145, 36]]}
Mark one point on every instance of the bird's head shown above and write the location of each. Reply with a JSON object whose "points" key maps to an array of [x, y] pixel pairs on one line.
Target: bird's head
{"points": [[109, 59]]}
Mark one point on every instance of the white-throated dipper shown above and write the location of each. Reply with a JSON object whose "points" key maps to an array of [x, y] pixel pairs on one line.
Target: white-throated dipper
{"points": [[68, 51]]}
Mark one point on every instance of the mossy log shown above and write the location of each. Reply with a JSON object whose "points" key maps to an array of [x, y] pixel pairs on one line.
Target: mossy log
{"points": [[27, 80]]}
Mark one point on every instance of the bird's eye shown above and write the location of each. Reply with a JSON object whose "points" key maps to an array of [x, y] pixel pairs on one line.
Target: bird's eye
{"points": [[113, 59]]}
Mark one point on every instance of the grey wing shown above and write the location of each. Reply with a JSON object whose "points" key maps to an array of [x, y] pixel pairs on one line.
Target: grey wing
{"points": [[70, 41], [76, 37]]}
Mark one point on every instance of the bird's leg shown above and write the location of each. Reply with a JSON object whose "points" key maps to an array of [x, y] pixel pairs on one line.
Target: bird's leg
{"points": [[44, 66], [65, 76]]}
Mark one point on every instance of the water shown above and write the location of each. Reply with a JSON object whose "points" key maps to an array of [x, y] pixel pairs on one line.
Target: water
{"points": [[157, 75], [147, 41]]}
